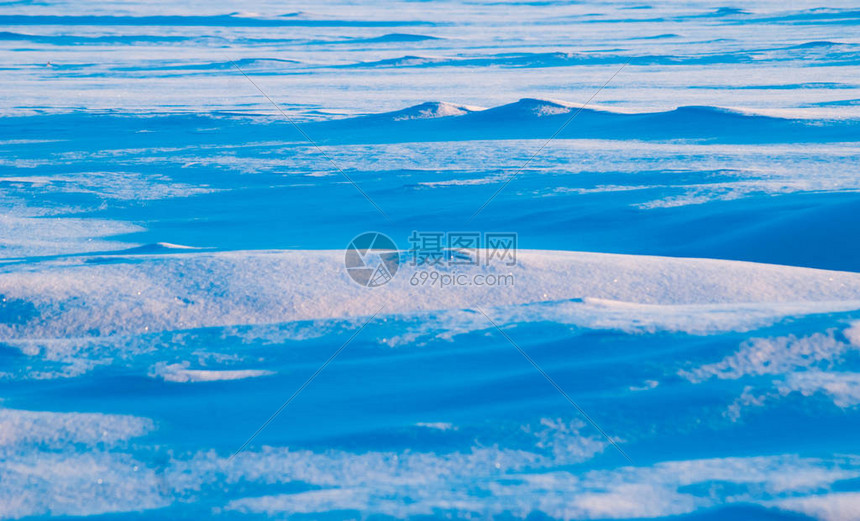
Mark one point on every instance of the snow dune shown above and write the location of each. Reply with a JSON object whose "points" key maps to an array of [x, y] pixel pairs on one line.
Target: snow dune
{"points": [[531, 118], [82, 296]]}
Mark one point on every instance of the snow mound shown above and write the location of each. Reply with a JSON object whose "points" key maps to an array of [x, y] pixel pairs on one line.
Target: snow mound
{"points": [[529, 118], [532, 107], [146, 293], [433, 109]]}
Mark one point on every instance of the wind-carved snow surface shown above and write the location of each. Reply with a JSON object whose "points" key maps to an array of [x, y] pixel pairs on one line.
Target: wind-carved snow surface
{"points": [[431, 110], [133, 294], [179, 337]]}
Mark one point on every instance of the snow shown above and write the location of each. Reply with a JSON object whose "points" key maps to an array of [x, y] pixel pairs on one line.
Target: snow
{"points": [[179, 373], [432, 110], [179, 337], [53, 429], [141, 293], [826, 507]]}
